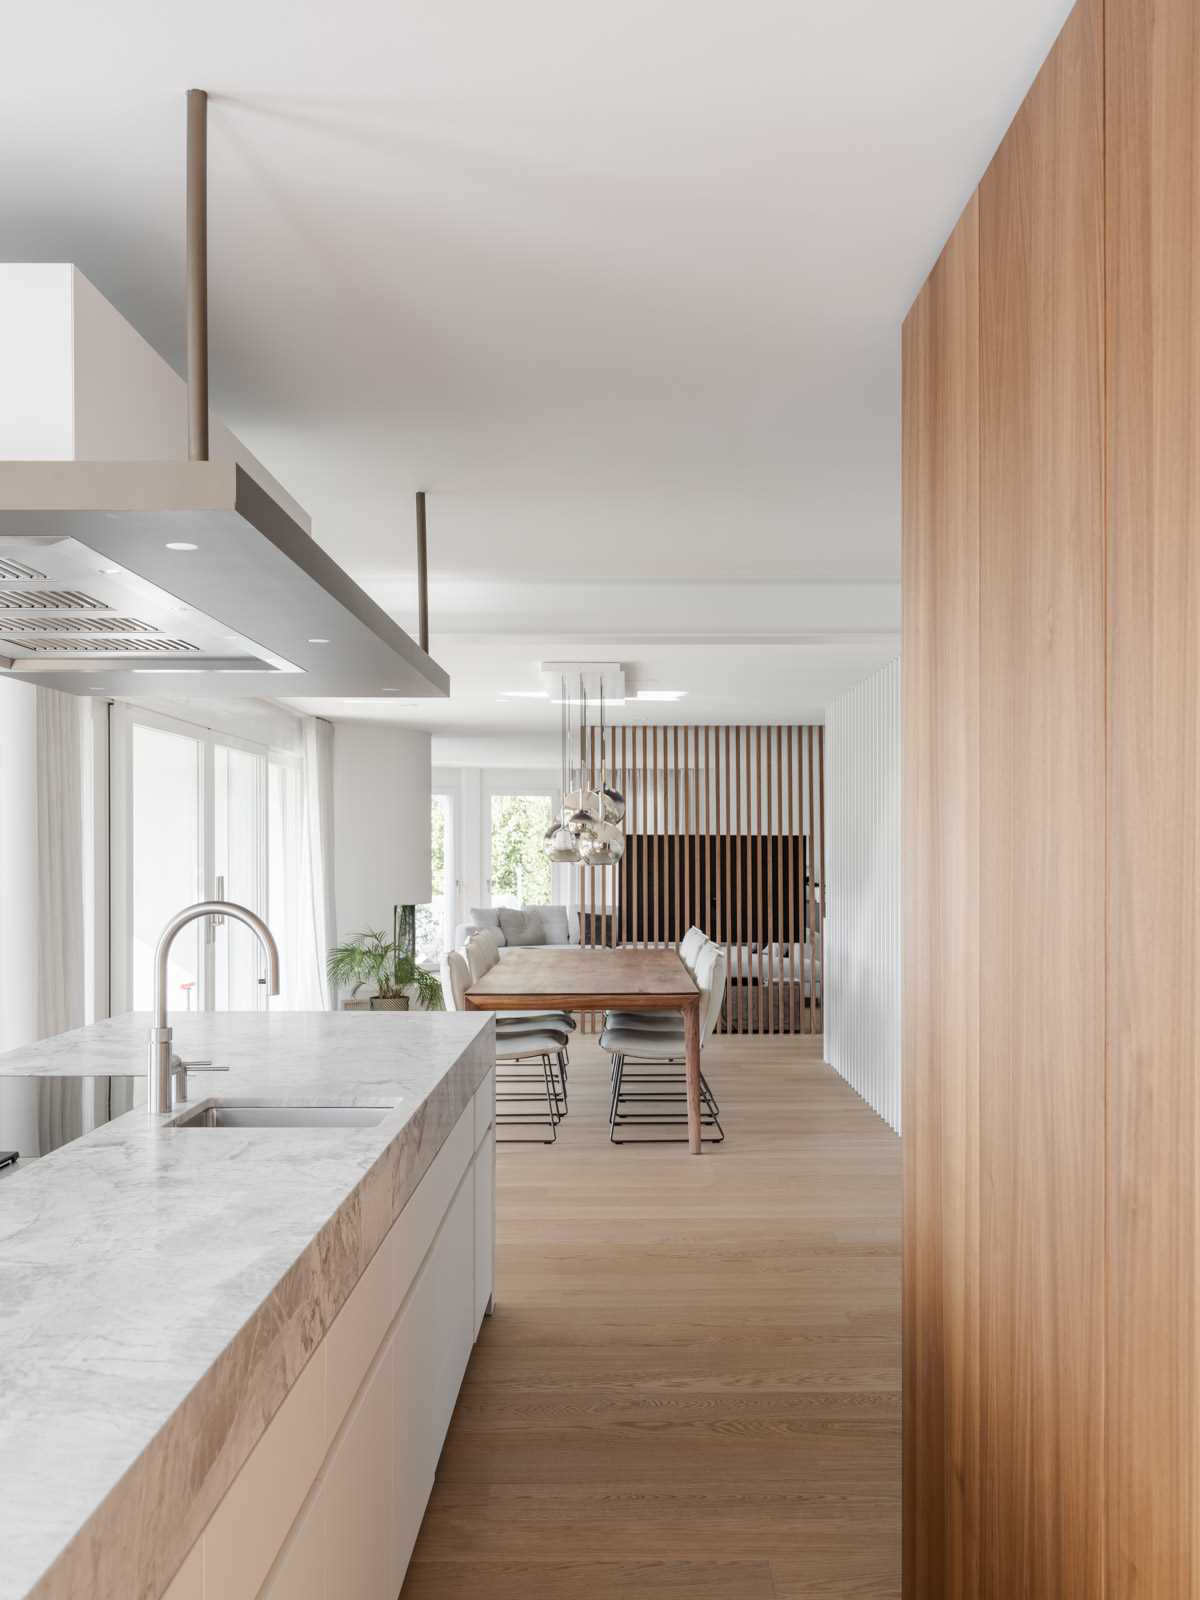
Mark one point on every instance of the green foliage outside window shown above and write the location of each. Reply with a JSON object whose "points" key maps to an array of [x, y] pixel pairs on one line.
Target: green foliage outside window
{"points": [[520, 871]]}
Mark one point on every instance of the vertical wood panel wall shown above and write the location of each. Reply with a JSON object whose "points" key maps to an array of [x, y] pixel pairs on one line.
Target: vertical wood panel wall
{"points": [[1153, 432], [1041, 878], [1051, 830], [862, 932], [697, 792], [940, 893]]}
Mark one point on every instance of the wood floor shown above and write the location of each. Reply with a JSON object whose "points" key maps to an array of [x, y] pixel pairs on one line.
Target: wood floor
{"points": [[690, 1386]]}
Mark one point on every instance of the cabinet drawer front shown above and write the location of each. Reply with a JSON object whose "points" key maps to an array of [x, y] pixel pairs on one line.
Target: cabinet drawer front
{"points": [[416, 1225], [252, 1521]]}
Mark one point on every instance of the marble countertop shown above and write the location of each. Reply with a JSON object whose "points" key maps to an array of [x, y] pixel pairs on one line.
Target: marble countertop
{"points": [[162, 1288]]}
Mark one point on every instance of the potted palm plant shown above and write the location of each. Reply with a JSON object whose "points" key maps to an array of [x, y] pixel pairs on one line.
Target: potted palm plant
{"points": [[386, 965]]}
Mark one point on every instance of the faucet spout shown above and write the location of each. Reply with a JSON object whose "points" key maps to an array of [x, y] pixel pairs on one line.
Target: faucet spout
{"points": [[159, 1095]]}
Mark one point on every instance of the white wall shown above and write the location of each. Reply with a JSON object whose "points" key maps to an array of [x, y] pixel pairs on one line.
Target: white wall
{"points": [[381, 800], [522, 750], [862, 927]]}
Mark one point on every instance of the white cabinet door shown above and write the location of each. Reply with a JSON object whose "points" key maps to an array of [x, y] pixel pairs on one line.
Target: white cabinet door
{"points": [[358, 1496], [301, 1572], [485, 1228], [453, 1330], [248, 1528]]}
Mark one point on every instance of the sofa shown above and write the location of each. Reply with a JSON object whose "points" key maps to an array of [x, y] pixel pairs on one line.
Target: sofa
{"points": [[535, 925]]}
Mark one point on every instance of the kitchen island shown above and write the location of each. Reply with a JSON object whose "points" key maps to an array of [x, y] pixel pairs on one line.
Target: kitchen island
{"points": [[228, 1355]]}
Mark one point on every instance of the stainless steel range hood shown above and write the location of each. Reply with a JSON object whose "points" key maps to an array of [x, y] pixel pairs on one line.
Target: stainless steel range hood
{"points": [[113, 570], [94, 599]]}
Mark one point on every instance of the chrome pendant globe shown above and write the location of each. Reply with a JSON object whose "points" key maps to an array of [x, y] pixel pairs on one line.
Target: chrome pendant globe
{"points": [[558, 843], [604, 847], [612, 805], [583, 829], [586, 817]]}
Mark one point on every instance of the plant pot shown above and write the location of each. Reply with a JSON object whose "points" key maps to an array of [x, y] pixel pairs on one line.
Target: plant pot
{"points": [[356, 1005], [391, 1002]]}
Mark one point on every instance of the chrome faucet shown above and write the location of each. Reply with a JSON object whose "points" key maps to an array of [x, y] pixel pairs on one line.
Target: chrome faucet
{"points": [[163, 1065]]}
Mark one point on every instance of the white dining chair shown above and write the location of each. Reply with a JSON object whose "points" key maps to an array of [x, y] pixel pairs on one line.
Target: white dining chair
{"points": [[691, 945], [639, 1098], [482, 951], [515, 1049], [690, 948]]}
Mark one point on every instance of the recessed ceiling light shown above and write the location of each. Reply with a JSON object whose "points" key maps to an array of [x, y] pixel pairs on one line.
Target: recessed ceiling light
{"points": [[180, 544], [166, 671], [525, 694], [109, 572], [318, 641], [661, 694]]}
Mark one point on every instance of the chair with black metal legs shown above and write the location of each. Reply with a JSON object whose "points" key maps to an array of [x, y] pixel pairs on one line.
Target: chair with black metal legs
{"points": [[527, 1098], [691, 947], [482, 953], [654, 1093]]}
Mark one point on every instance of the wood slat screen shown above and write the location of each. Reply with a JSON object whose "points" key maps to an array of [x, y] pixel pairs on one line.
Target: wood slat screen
{"points": [[724, 829]]}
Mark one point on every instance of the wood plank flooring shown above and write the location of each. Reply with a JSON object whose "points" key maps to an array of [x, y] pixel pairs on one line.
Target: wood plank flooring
{"points": [[690, 1387]]}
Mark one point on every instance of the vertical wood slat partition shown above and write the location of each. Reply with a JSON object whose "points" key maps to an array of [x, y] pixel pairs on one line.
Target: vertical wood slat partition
{"points": [[724, 828]]}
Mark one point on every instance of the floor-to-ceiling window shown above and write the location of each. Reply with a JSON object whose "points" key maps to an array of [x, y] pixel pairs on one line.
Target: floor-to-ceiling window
{"points": [[197, 814]]}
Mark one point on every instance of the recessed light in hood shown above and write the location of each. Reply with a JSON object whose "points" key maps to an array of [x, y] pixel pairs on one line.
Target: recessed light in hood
{"points": [[263, 581]]}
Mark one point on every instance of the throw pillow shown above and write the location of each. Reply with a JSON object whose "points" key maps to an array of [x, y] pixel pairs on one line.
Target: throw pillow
{"points": [[522, 927], [488, 917]]}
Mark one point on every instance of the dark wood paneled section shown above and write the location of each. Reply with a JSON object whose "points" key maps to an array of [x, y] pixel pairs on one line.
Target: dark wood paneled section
{"points": [[725, 829]]}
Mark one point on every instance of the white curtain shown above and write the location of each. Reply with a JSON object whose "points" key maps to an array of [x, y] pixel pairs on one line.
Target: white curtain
{"points": [[62, 747], [306, 815]]}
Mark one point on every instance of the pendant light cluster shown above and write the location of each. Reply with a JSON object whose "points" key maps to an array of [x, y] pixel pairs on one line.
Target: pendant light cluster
{"points": [[588, 828]]}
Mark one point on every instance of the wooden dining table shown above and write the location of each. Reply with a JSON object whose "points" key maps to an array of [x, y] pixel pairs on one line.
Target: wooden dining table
{"points": [[568, 978]]}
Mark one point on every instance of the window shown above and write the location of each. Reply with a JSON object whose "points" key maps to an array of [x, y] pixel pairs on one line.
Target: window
{"points": [[435, 921], [195, 815], [520, 872], [164, 861]]}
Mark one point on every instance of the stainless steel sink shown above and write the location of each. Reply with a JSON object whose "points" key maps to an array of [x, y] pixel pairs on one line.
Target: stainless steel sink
{"points": [[224, 1114]]}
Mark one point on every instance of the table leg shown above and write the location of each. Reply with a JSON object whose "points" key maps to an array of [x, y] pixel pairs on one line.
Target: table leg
{"points": [[691, 1046]]}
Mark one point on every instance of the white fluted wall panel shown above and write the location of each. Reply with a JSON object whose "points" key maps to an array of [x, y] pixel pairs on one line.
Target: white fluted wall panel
{"points": [[862, 907]]}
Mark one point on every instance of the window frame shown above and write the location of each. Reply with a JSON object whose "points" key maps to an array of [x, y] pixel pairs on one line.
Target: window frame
{"points": [[125, 716]]}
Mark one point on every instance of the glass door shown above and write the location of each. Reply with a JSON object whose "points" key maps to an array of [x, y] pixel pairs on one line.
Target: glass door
{"points": [[189, 813], [164, 861], [239, 873], [435, 922]]}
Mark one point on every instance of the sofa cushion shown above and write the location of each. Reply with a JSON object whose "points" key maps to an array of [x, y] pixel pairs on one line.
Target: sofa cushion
{"points": [[554, 921], [525, 927], [488, 917]]}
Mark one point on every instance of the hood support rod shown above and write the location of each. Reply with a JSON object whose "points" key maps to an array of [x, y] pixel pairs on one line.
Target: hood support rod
{"points": [[422, 576], [197, 274]]}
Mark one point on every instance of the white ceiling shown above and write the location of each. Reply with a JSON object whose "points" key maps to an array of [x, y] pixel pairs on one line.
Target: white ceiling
{"points": [[619, 286]]}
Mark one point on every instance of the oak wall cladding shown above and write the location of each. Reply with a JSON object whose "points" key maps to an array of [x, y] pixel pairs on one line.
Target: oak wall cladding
{"points": [[1051, 826]]}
